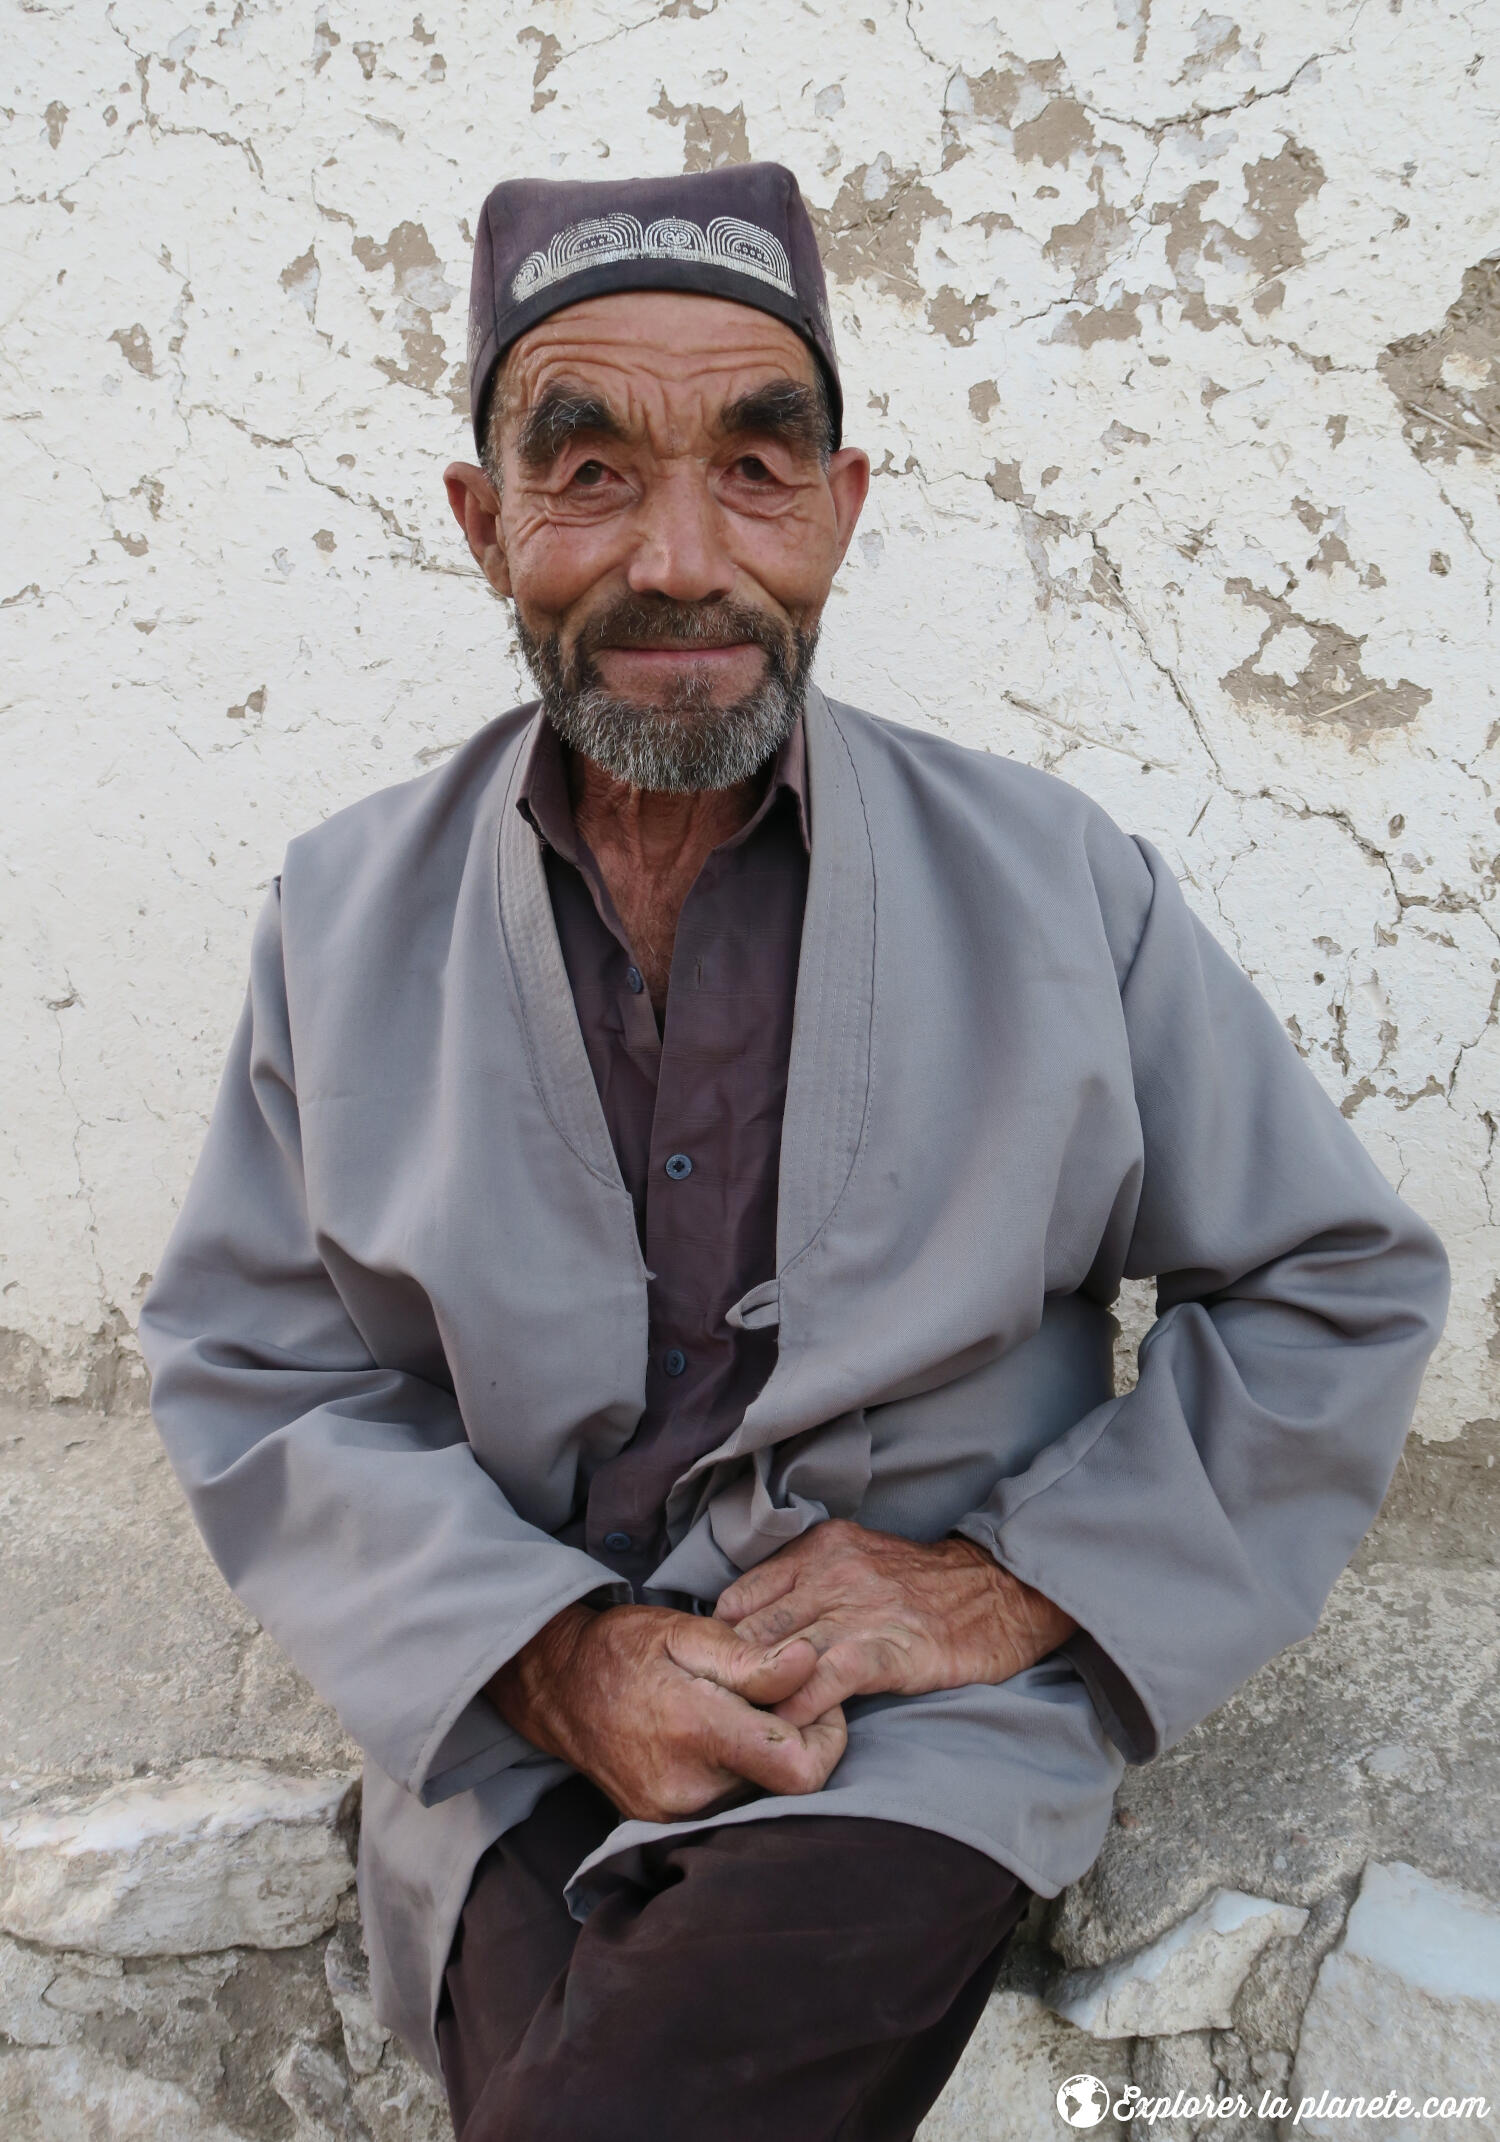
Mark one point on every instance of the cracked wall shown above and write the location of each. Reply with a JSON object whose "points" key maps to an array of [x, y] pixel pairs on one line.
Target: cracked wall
{"points": [[1175, 338]]}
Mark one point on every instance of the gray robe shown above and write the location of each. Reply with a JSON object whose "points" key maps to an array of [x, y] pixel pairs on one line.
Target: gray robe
{"points": [[405, 1299]]}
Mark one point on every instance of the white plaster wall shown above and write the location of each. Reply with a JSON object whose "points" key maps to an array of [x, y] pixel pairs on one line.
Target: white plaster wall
{"points": [[1171, 335]]}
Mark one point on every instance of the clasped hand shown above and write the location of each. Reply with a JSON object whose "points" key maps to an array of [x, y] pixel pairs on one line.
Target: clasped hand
{"points": [[671, 1714]]}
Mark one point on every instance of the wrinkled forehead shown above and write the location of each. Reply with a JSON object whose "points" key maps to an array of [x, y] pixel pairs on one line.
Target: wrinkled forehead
{"points": [[635, 346]]}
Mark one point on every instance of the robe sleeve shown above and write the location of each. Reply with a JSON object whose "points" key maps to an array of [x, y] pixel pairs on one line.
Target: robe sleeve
{"points": [[340, 1498], [1195, 1526]]}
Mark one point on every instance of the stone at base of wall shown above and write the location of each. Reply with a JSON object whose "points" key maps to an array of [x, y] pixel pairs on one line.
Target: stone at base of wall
{"points": [[1005, 2087], [1407, 2003], [69, 2097], [222, 2048]]}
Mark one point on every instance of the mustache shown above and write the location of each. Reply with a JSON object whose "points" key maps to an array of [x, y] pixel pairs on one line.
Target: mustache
{"points": [[632, 622]]}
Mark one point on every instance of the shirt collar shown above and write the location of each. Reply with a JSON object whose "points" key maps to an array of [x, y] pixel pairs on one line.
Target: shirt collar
{"points": [[545, 802]]}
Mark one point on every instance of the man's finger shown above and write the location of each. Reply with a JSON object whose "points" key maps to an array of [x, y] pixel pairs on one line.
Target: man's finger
{"points": [[847, 1669], [768, 1751], [827, 1737], [756, 1588], [712, 1651], [796, 1615]]}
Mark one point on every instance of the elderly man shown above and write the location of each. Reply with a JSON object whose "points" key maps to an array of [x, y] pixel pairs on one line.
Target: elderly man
{"points": [[639, 1332]]}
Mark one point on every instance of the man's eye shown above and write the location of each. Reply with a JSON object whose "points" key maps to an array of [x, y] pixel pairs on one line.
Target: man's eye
{"points": [[590, 474], [752, 467]]}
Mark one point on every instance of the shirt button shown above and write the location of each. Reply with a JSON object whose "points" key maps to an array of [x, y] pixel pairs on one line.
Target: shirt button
{"points": [[678, 1165], [675, 1362], [617, 1542], [634, 981]]}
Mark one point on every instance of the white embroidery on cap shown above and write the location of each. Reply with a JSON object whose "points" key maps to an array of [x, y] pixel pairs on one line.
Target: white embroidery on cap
{"points": [[728, 242]]}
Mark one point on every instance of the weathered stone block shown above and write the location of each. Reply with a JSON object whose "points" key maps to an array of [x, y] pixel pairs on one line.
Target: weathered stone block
{"points": [[25, 2017], [315, 2090], [1005, 2087], [348, 1972], [1268, 2011], [70, 2096], [224, 1855], [401, 2102], [1185, 1981], [1408, 2002], [1175, 2070]]}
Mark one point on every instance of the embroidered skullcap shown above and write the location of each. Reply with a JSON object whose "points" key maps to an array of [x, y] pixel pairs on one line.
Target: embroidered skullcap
{"points": [[741, 232]]}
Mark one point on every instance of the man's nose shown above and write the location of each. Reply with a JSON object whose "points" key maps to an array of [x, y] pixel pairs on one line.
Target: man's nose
{"points": [[679, 549]]}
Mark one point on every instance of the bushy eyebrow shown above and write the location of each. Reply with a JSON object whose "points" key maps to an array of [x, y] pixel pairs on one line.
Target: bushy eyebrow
{"points": [[561, 415], [782, 410]]}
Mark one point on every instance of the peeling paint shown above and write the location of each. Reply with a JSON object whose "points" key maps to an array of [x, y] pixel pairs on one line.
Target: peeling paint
{"points": [[421, 289], [1091, 244], [1120, 322], [548, 53], [1328, 686], [955, 317], [1060, 130], [300, 277], [1447, 382], [1216, 41], [1276, 189], [135, 347], [711, 138], [872, 229]]}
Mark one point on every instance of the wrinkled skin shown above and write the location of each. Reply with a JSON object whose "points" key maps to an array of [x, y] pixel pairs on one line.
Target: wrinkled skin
{"points": [[675, 507], [668, 1713], [887, 1614]]}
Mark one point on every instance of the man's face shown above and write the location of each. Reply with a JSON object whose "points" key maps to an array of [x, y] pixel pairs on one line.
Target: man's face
{"points": [[667, 523]]}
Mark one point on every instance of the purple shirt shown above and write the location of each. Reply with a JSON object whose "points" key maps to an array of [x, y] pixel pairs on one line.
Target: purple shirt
{"points": [[694, 1112]]}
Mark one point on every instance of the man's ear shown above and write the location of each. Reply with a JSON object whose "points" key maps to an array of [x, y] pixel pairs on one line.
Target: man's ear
{"points": [[849, 482], [477, 512]]}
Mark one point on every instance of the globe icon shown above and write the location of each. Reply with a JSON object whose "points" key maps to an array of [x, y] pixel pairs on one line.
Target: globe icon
{"points": [[1083, 2100]]}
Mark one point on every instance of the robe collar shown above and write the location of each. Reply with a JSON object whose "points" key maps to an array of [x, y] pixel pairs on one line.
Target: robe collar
{"points": [[828, 1075]]}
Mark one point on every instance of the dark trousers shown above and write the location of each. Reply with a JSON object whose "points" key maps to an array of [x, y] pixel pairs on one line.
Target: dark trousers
{"points": [[809, 1979]]}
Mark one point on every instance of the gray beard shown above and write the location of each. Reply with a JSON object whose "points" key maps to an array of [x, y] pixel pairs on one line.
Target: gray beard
{"points": [[686, 744]]}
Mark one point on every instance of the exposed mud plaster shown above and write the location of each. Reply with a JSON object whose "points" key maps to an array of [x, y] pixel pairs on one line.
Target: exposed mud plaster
{"points": [[1276, 189], [99, 1370], [300, 277], [1090, 245], [1004, 479], [1216, 41], [872, 228], [135, 347], [548, 51], [1326, 684], [1016, 95], [1102, 323], [955, 317], [1448, 382], [710, 138], [1191, 243], [1059, 130], [421, 290]]}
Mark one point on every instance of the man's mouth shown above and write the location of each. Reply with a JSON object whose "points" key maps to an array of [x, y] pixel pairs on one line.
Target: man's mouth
{"points": [[663, 660], [687, 649]]}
